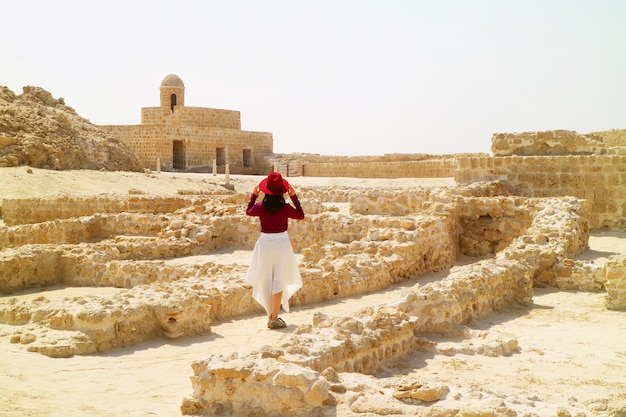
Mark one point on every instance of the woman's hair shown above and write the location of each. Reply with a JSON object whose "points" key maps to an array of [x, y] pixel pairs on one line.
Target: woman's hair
{"points": [[273, 203]]}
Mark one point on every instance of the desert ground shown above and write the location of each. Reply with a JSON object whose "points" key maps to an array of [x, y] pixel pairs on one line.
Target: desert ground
{"points": [[572, 349]]}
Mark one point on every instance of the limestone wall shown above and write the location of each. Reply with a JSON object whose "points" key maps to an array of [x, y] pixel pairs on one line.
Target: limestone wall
{"points": [[198, 144], [75, 230], [314, 355], [38, 210], [600, 179], [99, 324], [146, 143], [616, 283], [552, 142], [613, 137], [328, 346], [403, 169], [346, 246], [531, 164], [470, 225], [191, 116], [342, 254]]}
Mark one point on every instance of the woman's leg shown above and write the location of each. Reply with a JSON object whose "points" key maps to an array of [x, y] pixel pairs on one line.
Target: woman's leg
{"points": [[276, 302]]}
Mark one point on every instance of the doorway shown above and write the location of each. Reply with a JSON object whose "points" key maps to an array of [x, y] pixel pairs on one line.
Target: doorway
{"points": [[220, 156], [247, 158], [178, 157]]}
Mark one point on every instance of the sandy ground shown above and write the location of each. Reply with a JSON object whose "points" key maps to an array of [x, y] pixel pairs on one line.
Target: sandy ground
{"points": [[572, 350]]}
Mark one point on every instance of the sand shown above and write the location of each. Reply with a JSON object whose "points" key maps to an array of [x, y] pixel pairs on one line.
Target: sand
{"points": [[572, 350]]}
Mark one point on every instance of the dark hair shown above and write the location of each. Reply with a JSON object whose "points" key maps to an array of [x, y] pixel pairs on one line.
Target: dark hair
{"points": [[273, 203]]}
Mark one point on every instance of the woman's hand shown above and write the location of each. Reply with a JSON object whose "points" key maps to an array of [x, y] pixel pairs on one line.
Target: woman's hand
{"points": [[256, 190], [291, 190]]}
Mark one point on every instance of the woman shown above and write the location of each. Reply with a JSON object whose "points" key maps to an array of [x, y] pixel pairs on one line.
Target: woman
{"points": [[273, 271]]}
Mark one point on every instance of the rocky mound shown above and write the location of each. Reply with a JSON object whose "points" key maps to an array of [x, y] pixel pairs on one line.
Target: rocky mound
{"points": [[40, 131]]}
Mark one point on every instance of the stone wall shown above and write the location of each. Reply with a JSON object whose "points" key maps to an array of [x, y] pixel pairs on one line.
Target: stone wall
{"points": [[315, 354], [347, 246], [28, 260], [613, 137], [616, 283], [531, 164], [200, 145], [39, 210], [343, 254], [146, 143], [552, 142], [600, 179], [404, 169], [192, 116], [385, 166]]}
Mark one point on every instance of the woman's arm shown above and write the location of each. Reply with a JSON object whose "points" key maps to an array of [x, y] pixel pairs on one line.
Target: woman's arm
{"points": [[255, 194], [297, 213]]}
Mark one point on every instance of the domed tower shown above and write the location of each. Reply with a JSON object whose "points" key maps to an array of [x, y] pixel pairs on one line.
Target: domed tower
{"points": [[172, 92]]}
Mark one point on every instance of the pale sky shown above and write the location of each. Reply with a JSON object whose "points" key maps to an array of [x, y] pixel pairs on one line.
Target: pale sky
{"points": [[340, 77]]}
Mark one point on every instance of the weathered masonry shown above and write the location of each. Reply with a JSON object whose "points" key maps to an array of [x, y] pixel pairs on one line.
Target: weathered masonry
{"points": [[191, 138]]}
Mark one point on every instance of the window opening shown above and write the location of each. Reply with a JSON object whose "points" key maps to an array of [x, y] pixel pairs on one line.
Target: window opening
{"points": [[173, 102]]}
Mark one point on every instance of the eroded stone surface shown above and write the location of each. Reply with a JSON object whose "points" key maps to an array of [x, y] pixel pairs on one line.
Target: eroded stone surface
{"points": [[347, 246], [38, 130]]}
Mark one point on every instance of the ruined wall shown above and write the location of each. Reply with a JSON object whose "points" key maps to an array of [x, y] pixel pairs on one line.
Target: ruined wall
{"points": [[39, 210], [307, 364], [383, 166], [600, 179], [474, 226], [298, 377], [552, 142], [438, 168], [613, 137], [616, 283], [531, 164], [375, 250], [344, 251]]}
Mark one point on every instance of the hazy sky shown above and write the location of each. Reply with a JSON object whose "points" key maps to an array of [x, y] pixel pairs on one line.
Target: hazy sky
{"points": [[340, 77]]}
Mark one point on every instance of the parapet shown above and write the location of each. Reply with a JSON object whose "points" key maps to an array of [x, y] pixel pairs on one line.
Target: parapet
{"points": [[191, 117]]}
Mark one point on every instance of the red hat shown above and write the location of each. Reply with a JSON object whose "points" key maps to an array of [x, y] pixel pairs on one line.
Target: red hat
{"points": [[274, 184]]}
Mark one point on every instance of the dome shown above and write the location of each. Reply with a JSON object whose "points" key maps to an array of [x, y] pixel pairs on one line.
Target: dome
{"points": [[172, 80]]}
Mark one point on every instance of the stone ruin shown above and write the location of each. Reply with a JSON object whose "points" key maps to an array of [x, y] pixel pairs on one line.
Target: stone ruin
{"points": [[352, 242]]}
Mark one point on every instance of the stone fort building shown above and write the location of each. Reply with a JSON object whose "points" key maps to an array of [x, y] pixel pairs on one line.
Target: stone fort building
{"points": [[193, 138]]}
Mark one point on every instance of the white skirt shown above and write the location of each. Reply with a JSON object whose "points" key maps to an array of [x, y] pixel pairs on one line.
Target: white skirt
{"points": [[273, 269]]}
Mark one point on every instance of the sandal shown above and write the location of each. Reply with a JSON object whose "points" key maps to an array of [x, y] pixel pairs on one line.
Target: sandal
{"points": [[276, 324]]}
